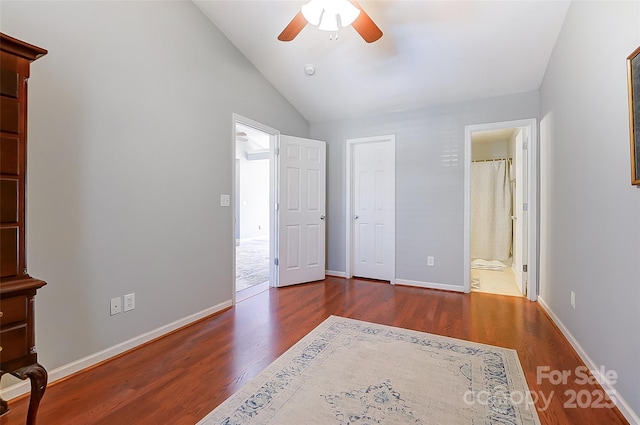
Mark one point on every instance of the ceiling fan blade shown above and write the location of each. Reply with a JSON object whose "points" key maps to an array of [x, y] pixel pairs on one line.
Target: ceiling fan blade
{"points": [[293, 29], [365, 26]]}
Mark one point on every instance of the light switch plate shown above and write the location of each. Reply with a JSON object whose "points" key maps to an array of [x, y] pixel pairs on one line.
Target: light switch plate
{"points": [[225, 200]]}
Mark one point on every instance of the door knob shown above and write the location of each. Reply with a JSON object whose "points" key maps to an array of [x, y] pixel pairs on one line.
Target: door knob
{"points": [[322, 217], [355, 217]]}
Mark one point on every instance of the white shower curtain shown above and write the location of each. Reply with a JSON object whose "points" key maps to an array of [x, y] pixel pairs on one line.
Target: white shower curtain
{"points": [[491, 225]]}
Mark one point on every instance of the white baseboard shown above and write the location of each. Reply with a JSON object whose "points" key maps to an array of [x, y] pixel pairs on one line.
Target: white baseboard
{"points": [[24, 387], [335, 273], [429, 285], [621, 403]]}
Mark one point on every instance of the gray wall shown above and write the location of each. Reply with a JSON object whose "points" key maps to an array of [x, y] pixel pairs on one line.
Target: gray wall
{"points": [[429, 180], [130, 147], [590, 227]]}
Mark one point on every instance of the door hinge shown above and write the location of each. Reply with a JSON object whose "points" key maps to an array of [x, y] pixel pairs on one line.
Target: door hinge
{"points": [[525, 207], [277, 151], [275, 261], [277, 206], [525, 145], [524, 268]]}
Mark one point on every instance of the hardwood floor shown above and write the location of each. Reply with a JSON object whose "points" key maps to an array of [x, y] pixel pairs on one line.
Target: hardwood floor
{"points": [[179, 378]]}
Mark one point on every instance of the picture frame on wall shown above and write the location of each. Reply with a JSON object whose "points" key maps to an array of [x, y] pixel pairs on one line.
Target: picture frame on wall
{"points": [[633, 76]]}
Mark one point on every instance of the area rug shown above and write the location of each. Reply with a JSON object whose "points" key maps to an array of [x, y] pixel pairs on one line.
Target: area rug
{"points": [[352, 372], [252, 263]]}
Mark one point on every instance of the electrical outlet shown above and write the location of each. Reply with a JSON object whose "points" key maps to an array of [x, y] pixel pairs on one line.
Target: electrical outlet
{"points": [[430, 261], [116, 305], [129, 302], [225, 200], [573, 300]]}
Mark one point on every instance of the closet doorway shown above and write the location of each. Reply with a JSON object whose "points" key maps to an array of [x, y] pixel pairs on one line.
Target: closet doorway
{"points": [[499, 179], [370, 208]]}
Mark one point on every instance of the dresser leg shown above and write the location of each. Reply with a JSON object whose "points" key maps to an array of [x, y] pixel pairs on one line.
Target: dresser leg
{"points": [[38, 376], [4, 407]]}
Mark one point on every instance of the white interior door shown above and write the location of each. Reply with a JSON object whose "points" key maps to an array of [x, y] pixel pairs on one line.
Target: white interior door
{"points": [[301, 210], [373, 177], [520, 241]]}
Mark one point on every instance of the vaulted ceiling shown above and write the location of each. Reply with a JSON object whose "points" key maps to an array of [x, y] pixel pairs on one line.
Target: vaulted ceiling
{"points": [[432, 52]]}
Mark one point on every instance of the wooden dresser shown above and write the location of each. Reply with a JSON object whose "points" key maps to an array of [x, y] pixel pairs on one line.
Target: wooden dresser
{"points": [[17, 289]]}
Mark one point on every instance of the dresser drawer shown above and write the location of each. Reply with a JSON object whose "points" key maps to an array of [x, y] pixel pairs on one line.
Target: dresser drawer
{"points": [[10, 155], [14, 310], [9, 115], [14, 342], [9, 83]]}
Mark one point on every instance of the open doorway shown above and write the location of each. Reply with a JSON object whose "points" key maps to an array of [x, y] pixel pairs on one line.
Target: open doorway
{"points": [[495, 234], [500, 199], [253, 164], [278, 210]]}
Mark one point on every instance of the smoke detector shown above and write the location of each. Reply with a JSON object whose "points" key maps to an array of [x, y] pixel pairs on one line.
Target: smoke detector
{"points": [[309, 70]]}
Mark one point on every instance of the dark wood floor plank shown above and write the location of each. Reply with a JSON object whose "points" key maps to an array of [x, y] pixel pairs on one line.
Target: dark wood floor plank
{"points": [[179, 378]]}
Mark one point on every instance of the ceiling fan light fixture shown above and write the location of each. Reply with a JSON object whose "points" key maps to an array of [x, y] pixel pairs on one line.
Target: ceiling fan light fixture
{"points": [[312, 11], [328, 22], [348, 13], [324, 13]]}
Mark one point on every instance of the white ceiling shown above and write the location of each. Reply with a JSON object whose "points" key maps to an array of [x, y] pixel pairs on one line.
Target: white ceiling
{"points": [[432, 52]]}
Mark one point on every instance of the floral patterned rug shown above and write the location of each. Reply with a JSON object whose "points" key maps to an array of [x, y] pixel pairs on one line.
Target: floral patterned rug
{"points": [[352, 372]]}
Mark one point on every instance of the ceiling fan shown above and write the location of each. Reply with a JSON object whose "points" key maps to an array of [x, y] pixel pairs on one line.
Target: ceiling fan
{"points": [[325, 14]]}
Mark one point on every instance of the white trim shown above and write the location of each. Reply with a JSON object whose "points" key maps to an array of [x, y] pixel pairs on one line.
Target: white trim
{"points": [[348, 214], [274, 142], [429, 285], [466, 256], [335, 273], [56, 374], [531, 126], [620, 402]]}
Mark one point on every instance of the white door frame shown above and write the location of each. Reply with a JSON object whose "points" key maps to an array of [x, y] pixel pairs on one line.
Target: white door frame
{"points": [[349, 204], [274, 136], [530, 127]]}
